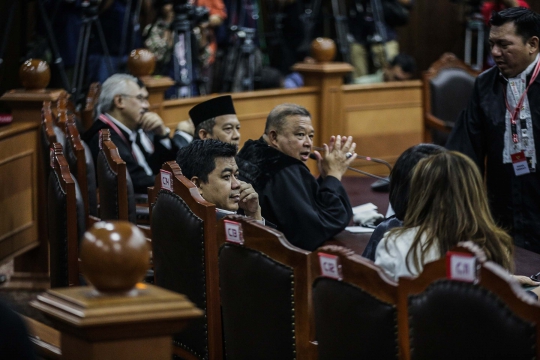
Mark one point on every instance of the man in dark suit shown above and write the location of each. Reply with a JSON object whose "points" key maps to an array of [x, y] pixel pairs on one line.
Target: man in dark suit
{"points": [[211, 166], [141, 137]]}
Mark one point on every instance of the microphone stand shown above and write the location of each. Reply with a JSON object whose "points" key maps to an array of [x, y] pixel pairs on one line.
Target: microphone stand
{"points": [[367, 158]]}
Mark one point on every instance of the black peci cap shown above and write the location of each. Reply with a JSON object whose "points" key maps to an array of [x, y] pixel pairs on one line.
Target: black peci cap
{"points": [[218, 106]]}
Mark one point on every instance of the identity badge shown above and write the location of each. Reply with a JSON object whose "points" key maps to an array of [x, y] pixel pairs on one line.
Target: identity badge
{"points": [[519, 161]]}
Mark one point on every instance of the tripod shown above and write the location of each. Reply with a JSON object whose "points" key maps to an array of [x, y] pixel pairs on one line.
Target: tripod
{"points": [[89, 18], [185, 49], [57, 62], [241, 58]]}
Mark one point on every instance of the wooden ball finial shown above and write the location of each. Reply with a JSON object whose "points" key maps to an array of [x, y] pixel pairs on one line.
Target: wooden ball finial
{"points": [[141, 62], [34, 74], [323, 49], [114, 256]]}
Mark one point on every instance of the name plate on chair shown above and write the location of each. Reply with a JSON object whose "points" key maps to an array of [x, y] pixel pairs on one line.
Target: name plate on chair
{"points": [[233, 232], [330, 266], [166, 180], [460, 266]]}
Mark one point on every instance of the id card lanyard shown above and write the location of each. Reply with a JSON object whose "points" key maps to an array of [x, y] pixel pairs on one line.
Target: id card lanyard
{"points": [[519, 160], [515, 113], [115, 128]]}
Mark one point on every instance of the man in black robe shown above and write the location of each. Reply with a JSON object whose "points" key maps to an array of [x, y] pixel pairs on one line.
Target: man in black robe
{"points": [[501, 140], [308, 211], [141, 137]]}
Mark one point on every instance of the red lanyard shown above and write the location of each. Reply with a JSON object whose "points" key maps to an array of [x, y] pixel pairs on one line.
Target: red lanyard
{"points": [[113, 126], [515, 113]]}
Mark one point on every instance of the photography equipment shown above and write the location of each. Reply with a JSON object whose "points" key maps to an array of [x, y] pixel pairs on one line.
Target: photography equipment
{"points": [[89, 17], [371, 12], [474, 26], [135, 25], [186, 49], [57, 59], [243, 58], [240, 62]]}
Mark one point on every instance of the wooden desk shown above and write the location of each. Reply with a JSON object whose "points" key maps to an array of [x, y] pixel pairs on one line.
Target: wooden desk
{"points": [[526, 262]]}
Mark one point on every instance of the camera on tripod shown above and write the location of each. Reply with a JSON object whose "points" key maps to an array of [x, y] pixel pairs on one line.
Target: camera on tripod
{"points": [[196, 14]]}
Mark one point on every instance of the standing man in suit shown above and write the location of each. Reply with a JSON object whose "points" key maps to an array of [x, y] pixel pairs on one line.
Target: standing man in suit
{"points": [[141, 137]]}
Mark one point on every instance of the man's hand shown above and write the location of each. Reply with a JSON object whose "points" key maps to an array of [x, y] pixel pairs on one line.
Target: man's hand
{"points": [[335, 160], [525, 281], [186, 126], [151, 122], [249, 201]]}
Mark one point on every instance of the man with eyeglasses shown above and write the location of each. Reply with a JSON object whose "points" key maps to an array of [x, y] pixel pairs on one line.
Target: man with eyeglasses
{"points": [[141, 137]]}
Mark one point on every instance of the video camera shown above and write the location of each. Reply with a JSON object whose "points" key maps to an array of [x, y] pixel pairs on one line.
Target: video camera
{"points": [[196, 14]]}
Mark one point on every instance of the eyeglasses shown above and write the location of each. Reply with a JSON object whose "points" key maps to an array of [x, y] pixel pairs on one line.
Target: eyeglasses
{"points": [[138, 97]]}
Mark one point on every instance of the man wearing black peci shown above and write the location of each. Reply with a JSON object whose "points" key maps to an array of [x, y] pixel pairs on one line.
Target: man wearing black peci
{"points": [[216, 119], [308, 211], [500, 129]]}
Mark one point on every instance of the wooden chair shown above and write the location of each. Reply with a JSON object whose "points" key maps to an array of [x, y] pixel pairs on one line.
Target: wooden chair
{"points": [[87, 115], [66, 221], [265, 293], [355, 313], [185, 259], [116, 193], [447, 88], [491, 318], [81, 164]]}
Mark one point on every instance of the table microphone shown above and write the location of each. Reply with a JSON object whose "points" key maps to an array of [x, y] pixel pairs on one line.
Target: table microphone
{"points": [[367, 158]]}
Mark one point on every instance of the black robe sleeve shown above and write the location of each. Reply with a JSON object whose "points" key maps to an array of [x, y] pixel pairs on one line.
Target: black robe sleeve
{"points": [[306, 212], [468, 135]]}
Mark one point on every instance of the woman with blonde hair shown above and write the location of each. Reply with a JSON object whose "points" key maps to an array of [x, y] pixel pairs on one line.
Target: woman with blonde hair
{"points": [[447, 204]]}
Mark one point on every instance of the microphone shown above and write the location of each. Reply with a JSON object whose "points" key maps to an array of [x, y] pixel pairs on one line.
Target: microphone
{"points": [[367, 158]]}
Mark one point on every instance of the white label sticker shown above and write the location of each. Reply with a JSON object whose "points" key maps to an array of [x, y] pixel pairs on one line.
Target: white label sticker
{"points": [[233, 232], [460, 267], [330, 266], [166, 180]]}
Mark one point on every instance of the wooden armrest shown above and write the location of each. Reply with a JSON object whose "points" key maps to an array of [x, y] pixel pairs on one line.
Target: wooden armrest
{"points": [[434, 122], [46, 340]]}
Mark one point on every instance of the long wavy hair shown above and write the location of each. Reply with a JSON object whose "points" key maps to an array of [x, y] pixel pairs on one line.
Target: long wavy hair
{"points": [[448, 203]]}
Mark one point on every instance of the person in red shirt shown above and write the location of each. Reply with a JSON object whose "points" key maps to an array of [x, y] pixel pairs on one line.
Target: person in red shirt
{"points": [[488, 7]]}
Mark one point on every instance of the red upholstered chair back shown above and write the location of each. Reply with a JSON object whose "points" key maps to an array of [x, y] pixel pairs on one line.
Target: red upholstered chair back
{"points": [[265, 293], [66, 221], [355, 313], [116, 195], [491, 318], [185, 259], [447, 88]]}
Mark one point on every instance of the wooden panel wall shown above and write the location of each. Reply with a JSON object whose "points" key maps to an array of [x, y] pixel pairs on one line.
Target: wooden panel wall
{"points": [[18, 193], [384, 120]]}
